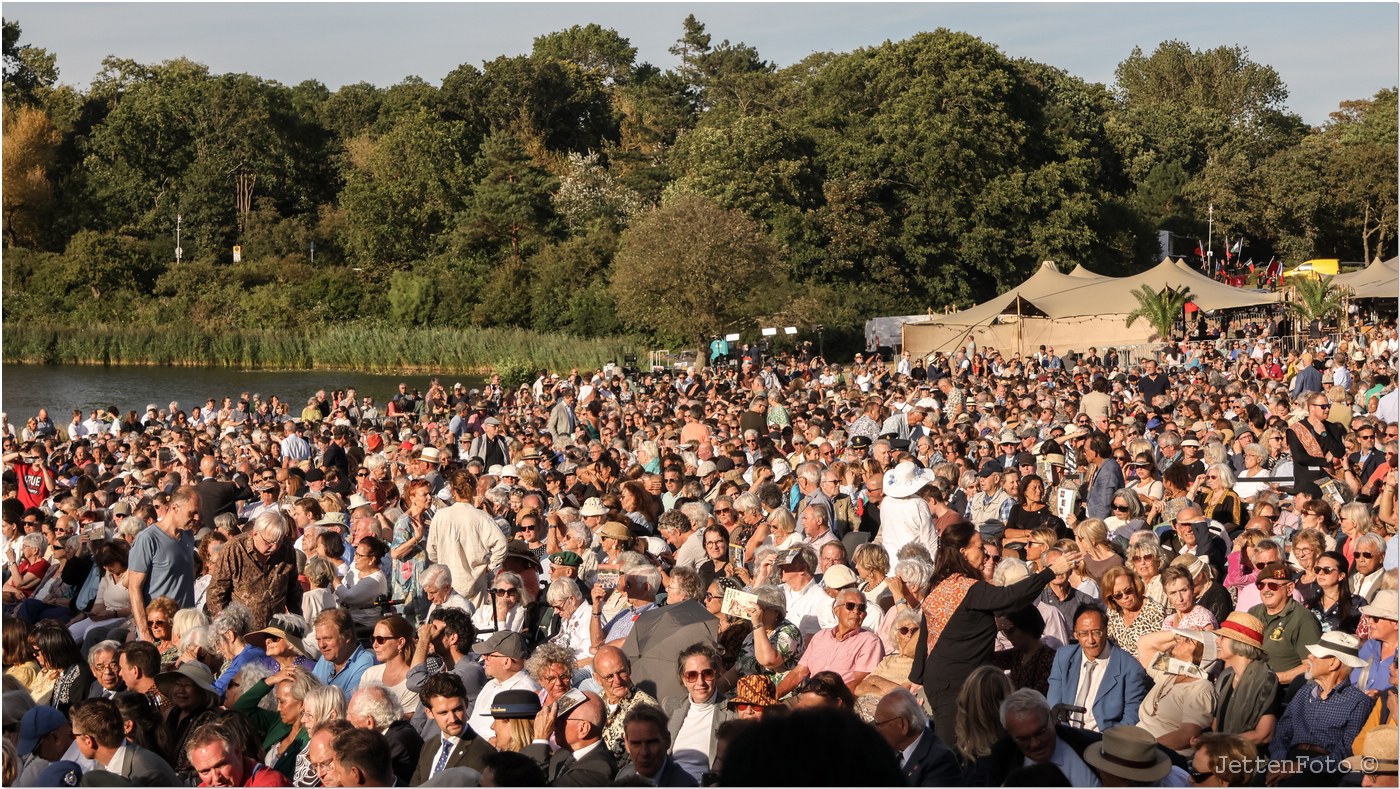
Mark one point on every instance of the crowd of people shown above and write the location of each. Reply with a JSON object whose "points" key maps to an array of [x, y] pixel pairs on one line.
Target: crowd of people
{"points": [[959, 570]]}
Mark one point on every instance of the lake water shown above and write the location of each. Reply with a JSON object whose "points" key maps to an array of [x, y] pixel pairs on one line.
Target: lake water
{"points": [[25, 388]]}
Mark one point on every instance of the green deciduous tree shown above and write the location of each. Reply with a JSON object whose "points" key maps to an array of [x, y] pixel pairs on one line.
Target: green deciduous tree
{"points": [[690, 269], [595, 49], [29, 71]]}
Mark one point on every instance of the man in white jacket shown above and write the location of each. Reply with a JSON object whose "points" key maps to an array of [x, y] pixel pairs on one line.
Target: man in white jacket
{"points": [[467, 540]]}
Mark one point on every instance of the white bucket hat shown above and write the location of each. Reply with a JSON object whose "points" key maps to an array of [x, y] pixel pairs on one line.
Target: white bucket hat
{"points": [[906, 479]]}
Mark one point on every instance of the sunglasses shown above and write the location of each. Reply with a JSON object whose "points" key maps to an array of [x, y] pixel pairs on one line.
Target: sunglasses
{"points": [[904, 631], [1365, 555], [695, 676], [505, 592], [378, 640], [1125, 594], [1120, 508], [1270, 586], [1320, 570], [854, 607], [362, 473]]}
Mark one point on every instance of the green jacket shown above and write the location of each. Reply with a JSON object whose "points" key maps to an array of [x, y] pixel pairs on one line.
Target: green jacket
{"points": [[271, 723]]}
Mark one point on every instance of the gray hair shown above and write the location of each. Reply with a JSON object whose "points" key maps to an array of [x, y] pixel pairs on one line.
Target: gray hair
{"points": [[821, 514], [1372, 539], [202, 637], [648, 575], [629, 560], [131, 526], [374, 462], [698, 512], [185, 620], [1227, 477], [249, 676], [235, 619], [746, 502], [557, 593], [226, 521], [771, 598], [375, 700], [810, 472], [271, 525], [908, 708], [1257, 450], [1023, 701], [319, 573], [548, 654], [917, 574], [1269, 544], [103, 646], [33, 540], [578, 530], [499, 497], [1129, 498], [435, 576]]}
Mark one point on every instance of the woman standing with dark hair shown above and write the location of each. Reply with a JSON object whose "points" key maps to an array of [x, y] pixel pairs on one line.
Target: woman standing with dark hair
{"points": [[959, 629], [1329, 599]]}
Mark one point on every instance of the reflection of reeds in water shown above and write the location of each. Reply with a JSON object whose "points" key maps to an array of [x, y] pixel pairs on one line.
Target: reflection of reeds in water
{"points": [[366, 348]]}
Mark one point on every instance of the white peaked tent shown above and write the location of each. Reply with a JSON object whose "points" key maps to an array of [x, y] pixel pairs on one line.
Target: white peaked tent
{"points": [[1071, 311], [1377, 281]]}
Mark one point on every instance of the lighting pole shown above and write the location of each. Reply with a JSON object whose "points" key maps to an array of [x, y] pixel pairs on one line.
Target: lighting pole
{"points": [[179, 253]]}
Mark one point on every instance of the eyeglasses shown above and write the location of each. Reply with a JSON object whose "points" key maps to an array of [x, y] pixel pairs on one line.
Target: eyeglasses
{"points": [[723, 511], [103, 668], [553, 678], [504, 592], [695, 676], [861, 607]]}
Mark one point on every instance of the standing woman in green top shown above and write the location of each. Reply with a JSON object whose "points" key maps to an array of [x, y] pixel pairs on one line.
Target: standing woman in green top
{"points": [[284, 736]]}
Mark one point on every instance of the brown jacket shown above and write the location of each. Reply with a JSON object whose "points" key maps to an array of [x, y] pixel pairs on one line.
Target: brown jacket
{"points": [[266, 586]]}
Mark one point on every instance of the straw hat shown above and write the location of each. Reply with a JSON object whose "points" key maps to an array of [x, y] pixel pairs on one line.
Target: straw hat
{"points": [[258, 638], [1377, 752], [1244, 628], [1384, 606], [1129, 752], [615, 530]]}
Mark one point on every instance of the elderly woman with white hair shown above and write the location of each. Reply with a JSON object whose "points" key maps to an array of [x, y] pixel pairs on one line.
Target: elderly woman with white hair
{"points": [[1256, 459], [1214, 492], [574, 612]]}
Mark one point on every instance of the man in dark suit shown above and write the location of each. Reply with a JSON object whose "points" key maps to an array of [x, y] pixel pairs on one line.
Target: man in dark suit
{"points": [[659, 635], [648, 744], [99, 733], [375, 707], [923, 758], [217, 496], [1112, 690], [107, 680], [582, 758], [445, 699]]}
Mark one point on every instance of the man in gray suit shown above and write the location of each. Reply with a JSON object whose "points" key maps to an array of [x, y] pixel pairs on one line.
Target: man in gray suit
{"points": [[100, 736], [562, 422]]}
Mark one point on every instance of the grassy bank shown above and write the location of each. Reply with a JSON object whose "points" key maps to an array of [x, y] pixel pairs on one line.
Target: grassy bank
{"points": [[363, 347]]}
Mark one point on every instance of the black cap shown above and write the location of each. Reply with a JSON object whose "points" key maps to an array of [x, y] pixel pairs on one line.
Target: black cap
{"points": [[989, 468]]}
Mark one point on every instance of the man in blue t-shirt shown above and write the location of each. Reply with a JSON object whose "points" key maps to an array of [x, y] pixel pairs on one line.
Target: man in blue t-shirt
{"points": [[161, 562]]}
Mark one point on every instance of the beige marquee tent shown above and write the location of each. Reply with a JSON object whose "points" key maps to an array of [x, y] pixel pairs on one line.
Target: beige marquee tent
{"points": [[1071, 311], [1376, 281]]}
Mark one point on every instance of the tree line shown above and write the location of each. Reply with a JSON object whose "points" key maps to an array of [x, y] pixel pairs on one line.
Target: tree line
{"points": [[576, 190]]}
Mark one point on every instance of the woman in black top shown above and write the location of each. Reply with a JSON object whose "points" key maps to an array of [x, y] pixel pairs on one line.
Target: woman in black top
{"points": [[958, 632], [1030, 512]]}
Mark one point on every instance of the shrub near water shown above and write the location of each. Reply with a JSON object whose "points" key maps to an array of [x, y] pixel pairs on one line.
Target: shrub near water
{"points": [[368, 348]]}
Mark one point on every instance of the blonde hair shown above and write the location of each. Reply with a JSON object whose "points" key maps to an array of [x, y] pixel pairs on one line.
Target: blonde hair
{"points": [[1093, 531], [978, 725], [323, 703]]}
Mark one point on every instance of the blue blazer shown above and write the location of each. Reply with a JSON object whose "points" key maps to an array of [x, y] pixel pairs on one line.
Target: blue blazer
{"points": [[1121, 691]]}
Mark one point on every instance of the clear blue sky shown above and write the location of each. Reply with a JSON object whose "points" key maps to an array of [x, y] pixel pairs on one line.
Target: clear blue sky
{"points": [[1325, 52]]}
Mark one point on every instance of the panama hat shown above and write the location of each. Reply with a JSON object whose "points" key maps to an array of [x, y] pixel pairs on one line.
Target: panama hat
{"points": [[1129, 752]]}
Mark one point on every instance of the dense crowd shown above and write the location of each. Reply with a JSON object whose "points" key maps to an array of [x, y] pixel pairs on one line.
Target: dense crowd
{"points": [[968, 569]]}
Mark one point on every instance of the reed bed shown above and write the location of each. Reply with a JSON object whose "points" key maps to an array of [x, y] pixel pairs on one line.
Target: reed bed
{"points": [[362, 347]]}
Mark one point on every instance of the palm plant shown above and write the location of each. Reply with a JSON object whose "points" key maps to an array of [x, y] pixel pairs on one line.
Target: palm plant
{"points": [[1316, 298], [1159, 308]]}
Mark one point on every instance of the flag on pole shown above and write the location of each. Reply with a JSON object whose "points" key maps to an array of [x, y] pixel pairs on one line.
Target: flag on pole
{"points": [[1229, 250], [1236, 249], [1250, 263]]}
